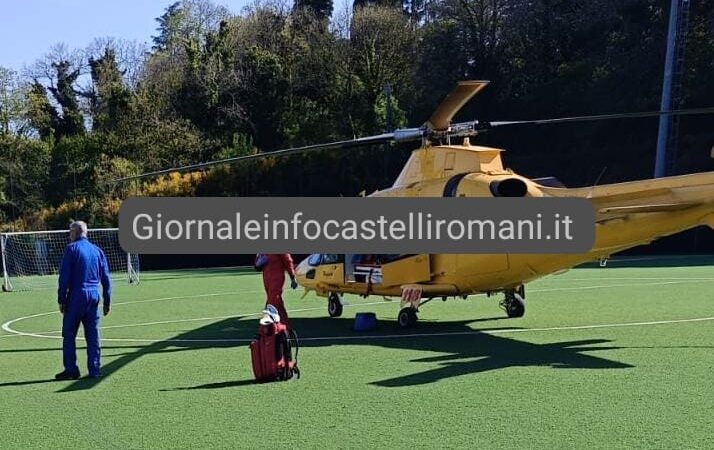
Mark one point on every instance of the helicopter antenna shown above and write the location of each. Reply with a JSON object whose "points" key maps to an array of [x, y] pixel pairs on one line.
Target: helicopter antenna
{"points": [[597, 181]]}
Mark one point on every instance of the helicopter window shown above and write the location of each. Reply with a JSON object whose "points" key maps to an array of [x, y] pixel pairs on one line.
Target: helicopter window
{"points": [[330, 258], [393, 257], [314, 259]]}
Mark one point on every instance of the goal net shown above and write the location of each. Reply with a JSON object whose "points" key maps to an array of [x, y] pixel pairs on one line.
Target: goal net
{"points": [[31, 260]]}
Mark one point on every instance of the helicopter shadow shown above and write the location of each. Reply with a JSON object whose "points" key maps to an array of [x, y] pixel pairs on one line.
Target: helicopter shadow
{"points": [[464, 350]]}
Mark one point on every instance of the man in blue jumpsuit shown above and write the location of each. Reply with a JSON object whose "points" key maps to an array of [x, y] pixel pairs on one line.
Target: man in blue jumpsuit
{"points": [[84, 266]]}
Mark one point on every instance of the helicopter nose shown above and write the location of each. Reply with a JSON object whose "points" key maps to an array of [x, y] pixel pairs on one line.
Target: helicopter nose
{"points": [[301, 268], [301, 271]]}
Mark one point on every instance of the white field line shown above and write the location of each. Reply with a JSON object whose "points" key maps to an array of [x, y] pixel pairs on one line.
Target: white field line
{"points": [[629, 278], [179, 297], [205, 319], [604, 286], [413, 335], [6, 326]]}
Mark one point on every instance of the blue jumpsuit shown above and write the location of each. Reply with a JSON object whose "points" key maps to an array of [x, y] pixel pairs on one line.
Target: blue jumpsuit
{"points": [[84, 266]]}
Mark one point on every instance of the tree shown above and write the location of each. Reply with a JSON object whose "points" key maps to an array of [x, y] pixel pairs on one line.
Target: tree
{"points": [[24, 174], [13, 104], [322, 9], [108, 96], [41, 114], [382, 50], [130, 57], [71, 122], [187, 20], [170, 24]]}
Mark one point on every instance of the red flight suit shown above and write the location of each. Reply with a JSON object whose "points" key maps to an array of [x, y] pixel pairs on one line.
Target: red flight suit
{"points": [[274, 279]]}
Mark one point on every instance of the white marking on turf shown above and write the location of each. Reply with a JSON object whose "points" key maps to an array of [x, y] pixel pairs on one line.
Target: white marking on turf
{"points": [[411, 335], [6, 325], [44, 334], [603, 286], [203, 319], [233, 316], [179, 297], [633, 278]]}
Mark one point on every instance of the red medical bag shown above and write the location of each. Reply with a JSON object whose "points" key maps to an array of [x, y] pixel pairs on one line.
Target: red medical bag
{"points": [[271, 352]]}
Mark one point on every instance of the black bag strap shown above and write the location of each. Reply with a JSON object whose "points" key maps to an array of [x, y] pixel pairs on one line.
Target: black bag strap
{"points": [[294, 336]]}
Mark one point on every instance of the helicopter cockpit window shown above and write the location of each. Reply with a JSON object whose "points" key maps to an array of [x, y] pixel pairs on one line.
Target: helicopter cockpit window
{"points": [[329, 258], [393, 257], [314, 259]]}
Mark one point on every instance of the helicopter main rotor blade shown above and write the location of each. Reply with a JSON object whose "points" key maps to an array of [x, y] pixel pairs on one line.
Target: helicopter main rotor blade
{"points": [[462, 93], [361, 142], [635, 115]]}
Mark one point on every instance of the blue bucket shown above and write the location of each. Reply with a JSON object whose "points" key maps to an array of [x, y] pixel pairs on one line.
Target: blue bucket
{"points": [[365, 321]]}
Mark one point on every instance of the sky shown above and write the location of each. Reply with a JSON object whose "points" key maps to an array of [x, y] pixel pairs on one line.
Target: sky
{"points": [[28, 28]]}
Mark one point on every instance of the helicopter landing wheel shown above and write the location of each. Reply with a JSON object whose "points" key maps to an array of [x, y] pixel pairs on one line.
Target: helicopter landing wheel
{"points": [[513, 304], [334, 305], [407, 317]]}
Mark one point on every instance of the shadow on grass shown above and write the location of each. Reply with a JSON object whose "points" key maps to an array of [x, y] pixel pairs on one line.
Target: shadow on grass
{"points": [[221, 385], [26, 383], [462, 350]]}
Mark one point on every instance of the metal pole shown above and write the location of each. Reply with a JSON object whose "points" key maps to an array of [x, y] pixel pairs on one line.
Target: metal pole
{"points": [[6, 276], [388, 98], [666, 103]]}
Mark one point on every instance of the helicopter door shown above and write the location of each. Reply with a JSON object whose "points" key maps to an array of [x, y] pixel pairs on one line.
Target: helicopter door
{"points": [[405, 269], [331, 269]]}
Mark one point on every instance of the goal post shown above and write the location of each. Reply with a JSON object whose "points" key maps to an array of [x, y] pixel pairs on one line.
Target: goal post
{"points": [[31, 259]]}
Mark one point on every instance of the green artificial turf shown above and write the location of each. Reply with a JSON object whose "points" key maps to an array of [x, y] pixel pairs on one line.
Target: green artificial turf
{"points": [[478, 380]]}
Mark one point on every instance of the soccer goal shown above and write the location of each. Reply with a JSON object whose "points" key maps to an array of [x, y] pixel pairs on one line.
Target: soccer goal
{"points": [[31, 260]]}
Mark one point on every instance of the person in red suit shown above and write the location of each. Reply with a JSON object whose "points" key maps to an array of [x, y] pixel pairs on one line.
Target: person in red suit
{"points": [[274, 267]]}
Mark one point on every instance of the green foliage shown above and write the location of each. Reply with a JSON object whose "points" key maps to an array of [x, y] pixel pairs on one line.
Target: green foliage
{"points": [[13, 104], [216, 86], [72, 166], [169, 27], [109, 97], [322, 9], [388, 113], [71, 122], [24, 174], [43, 117]]}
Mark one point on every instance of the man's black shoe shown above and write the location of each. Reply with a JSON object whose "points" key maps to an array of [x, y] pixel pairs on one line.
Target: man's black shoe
{"points": [[67, 376], [94, 375]]}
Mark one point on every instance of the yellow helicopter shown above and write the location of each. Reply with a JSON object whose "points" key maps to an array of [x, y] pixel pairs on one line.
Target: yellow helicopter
{"points": [[627, 215]]}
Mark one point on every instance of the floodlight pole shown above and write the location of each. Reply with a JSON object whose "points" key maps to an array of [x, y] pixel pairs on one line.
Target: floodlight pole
{"points": [[666, 103]]}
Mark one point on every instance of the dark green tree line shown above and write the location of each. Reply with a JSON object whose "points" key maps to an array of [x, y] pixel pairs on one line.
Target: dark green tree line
{"points": [[215, 85]]}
